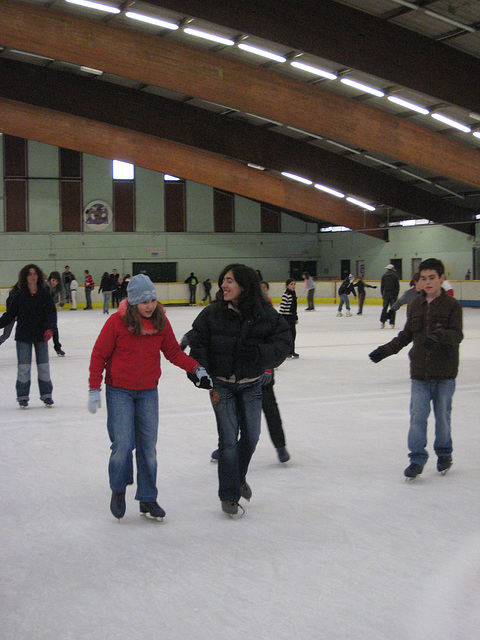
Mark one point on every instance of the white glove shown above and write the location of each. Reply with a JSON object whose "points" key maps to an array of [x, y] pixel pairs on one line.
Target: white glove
{"points": [[94, 400]]}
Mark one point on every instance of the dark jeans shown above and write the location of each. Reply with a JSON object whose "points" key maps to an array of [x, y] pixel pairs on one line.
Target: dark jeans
{"points": [[310, 295], [272, 416], [193, 292], [237, 412], [361, 300], [88, 297], [24, 366], [292, 324], [388, 300]]}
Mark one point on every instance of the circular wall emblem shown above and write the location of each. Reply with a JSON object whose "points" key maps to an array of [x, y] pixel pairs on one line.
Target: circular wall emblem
{"points": [[97, 215]]}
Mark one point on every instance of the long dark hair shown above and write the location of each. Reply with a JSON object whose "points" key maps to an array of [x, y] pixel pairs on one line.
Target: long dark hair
{"points": [[248, 280], [133, 319], [23, 274]]}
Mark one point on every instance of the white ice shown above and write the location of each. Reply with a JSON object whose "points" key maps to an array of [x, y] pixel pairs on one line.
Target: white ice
{"points": [[335, 544]]}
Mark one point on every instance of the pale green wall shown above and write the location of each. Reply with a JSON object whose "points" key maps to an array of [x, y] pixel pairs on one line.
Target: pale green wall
{"points": [[2, 216], [247, 215], [43, 160], [199, 207], [149, 200], [44, 205]]}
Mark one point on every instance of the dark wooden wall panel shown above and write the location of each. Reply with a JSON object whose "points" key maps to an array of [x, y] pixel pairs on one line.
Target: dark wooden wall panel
{"points": [[71, 205], [270, 220], [124, 205], [223, 212], [175, 206], [15, 205]]}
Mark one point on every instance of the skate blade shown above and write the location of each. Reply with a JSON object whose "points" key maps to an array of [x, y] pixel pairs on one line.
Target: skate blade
{"points": [[236, 516], [147, 516]]}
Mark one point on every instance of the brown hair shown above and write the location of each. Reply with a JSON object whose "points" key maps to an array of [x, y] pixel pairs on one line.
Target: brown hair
{"points": [[133, 319]]}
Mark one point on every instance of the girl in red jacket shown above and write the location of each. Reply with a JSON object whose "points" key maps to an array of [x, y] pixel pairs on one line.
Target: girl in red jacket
{"points": [[128, 349]]}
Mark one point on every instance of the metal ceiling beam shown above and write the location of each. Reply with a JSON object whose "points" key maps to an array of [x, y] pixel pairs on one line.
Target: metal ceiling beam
{"points": [[349, 37], [153, 115], [89, 136], [220, 79]]}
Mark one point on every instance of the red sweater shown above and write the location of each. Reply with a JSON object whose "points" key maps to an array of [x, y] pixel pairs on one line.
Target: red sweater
{"points": [[131, 361]]}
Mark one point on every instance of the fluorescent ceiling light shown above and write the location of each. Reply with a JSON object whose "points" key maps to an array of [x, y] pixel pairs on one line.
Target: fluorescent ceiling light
{"points": [[334, 229], [475, 116], [94, 5], [409, 105], [452, 123], [261, 52], [315, 70], [292, 176], [477, 217], [155, 21], [94, 72], [454, 23], [408, 223], [404, 3], [476, 134], [359, 203], [332, 192], [209, 36], [362, 87]]}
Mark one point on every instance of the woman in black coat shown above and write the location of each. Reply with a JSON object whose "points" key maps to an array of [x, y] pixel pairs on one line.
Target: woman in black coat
{"points": [[33, 308], [236, 338]]}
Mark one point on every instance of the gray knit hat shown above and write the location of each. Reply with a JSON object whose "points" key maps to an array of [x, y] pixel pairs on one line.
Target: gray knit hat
{"points": [[140, 289]]}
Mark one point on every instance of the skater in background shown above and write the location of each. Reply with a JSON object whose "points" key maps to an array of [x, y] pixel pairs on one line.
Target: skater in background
{"points": [[123, 286], [192, 282], [236, 339], [104, 289], [288, 309], [67, 277], [114, 277], [434, 325], [361, 285], [55, 288], [73, 293], [344, 291], [207, 286], [128, 350], [9, 327], [389, 288], [89, 287], [33, 308], [310, 289], [408, 297]]}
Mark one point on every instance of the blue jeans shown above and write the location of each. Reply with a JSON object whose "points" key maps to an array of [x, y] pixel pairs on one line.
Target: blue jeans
{"points": [[88, 298], [344, 300], [440, 392], [24, 366], [106, 300], [132, 423], [238, 411]]}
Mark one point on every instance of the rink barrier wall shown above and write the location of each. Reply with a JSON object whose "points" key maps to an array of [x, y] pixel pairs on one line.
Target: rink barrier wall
{"points": [[326, 292]]}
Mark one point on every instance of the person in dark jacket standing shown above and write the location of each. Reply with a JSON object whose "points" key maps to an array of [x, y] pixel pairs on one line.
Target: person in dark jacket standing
{"points": [[346, 288], [104, 289], [192, 282], [33, 308], [389, 288], [434, 324], [360, 286], [288, 309], [236, 338]]}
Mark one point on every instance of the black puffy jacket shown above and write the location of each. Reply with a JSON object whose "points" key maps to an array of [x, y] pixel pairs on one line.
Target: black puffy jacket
{"points": [[227, 344], [34, 314]]}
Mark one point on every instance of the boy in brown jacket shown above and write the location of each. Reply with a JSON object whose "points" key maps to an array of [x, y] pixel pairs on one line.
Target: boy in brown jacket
{"points": [[434, 325]]}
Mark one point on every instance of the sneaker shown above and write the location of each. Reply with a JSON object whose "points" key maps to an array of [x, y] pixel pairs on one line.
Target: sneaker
{"points": [[60, 352], [117, 504], [23, 403], [444, 463], [153, 508], [230, 507], [413, 470], [48, 402], [245, 491], [339, 314], [283, 454], [215, 455]]}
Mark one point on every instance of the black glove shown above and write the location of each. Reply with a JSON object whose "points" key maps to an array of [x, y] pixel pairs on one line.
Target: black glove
{"points": [[378, 354], [200, 378], [431, 341]]}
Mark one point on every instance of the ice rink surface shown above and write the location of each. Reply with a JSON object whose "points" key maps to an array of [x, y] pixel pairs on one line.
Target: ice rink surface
{"points": [[334, 544]]}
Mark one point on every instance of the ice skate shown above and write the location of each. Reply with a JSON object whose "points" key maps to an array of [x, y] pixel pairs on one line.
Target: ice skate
{"points": [[412, 471], [382, 325], [48, 402], [245, 491], [153, 509], [23, 404], [283, 454], [339, 314], [348, 314], [214, 456], [117, 504], [444, 463], [231, 508], [60, 352], [295, 356]]}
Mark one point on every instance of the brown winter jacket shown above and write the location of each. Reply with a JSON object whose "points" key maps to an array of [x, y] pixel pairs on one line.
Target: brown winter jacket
{"points": [[443, 318]]}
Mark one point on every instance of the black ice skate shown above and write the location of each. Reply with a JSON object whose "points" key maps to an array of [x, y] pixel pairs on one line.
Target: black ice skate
{"points": [[48, 402], [23, 404], [283, 454], [444, 463], [117, 504], [412, 471], [230, 507], [245, 491], [153, 509]]}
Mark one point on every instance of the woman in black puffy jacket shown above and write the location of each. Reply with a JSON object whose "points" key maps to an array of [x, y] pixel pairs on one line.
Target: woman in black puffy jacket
{"points": [[236, 338]]}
